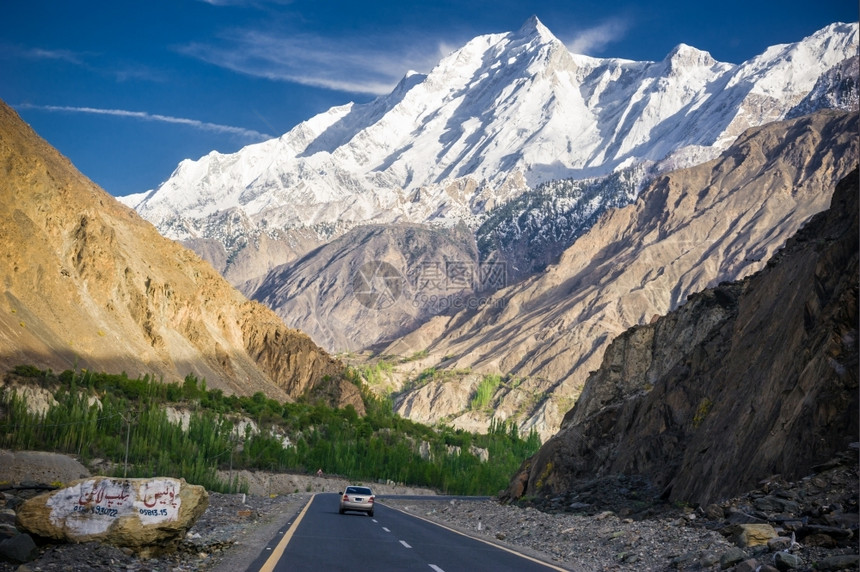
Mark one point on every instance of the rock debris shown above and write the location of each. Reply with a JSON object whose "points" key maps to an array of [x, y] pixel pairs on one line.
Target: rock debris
{"points": [[810, 524]]}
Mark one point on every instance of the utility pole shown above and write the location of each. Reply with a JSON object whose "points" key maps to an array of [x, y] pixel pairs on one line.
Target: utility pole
{"points": [[231, 463], [127, 441]]}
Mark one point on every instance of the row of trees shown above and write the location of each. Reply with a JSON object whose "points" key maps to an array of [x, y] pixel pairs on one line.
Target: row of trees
{"points": [[126, 421]]}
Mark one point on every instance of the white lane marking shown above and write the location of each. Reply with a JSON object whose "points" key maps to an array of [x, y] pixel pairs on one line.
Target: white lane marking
{"points": [[385, 529], [488, 543], [436, 568], [403, 542], [374, 520]]}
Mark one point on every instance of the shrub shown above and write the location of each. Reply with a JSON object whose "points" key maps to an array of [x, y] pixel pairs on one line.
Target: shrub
{"points": [[486, 389]]}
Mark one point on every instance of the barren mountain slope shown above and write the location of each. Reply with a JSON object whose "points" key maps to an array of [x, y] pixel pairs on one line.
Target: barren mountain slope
{"points": [[689, 230], [374, 283], [748, 380], [500, 115], [87, 283]]}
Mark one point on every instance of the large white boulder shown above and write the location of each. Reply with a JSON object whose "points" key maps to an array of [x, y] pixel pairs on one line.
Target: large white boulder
{"points": [[150, 516]]}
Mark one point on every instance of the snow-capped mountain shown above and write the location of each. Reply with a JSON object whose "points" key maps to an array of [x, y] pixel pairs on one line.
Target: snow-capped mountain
{"points": [[532, 230], [500, 115], [837, 88]]}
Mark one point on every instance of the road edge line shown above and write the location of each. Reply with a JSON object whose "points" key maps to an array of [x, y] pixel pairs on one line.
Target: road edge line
{"points": [[270, 563], [485, 541]]}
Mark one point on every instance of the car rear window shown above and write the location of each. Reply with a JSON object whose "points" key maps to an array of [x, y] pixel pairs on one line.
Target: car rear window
{"points": [[358, 490]]}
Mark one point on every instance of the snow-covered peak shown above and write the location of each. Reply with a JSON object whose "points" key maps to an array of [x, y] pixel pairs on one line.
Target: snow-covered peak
{"points": [[684, 56], [503, 113], [533, 27], [795, 67], [838, 88]]}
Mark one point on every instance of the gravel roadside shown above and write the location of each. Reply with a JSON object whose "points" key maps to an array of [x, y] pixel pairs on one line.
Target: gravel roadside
{"points": [[235, 529], [578, 543]]}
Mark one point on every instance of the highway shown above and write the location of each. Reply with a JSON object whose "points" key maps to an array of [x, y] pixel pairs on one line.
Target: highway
{"points": [[320, 539]]}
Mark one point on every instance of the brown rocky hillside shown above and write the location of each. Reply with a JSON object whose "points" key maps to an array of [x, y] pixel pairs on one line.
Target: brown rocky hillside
{"points": [[89, 284], [689, 230], [745, 381], [373, 283]]}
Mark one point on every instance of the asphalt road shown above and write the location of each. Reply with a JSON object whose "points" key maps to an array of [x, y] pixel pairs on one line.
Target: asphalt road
{"points": [[320, 539]]}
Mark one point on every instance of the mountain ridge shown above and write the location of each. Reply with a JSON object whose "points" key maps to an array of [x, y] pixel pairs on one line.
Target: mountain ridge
{"points": [[761, 374], [446, 145], [90, 284], [689, 230], [475, 134]]}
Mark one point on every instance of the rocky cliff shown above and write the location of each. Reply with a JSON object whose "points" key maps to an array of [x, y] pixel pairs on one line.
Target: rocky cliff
{"points": [[746, 380], [87, 283], [689, 230], [373, 283]]}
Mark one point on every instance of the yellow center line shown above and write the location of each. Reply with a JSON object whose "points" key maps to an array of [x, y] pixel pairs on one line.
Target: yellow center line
{"points": [[269, 566]]}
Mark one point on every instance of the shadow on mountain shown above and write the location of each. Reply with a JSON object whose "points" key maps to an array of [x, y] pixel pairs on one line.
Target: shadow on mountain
{"points": [[747, 380]]}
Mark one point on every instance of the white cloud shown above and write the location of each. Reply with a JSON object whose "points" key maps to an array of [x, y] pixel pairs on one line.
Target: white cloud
{"points": [[57, 55], [353, 66], [144, 116], [593, 40], [93, 62]]}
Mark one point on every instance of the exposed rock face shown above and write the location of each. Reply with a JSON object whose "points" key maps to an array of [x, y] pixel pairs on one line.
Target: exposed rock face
{"points": [[147, 515], [690, 230], [492, 120], [88, 283], [532, 231], [746, 380], [252, 253], [440, 399], [838, 88], [293, 362], [376, 282]]}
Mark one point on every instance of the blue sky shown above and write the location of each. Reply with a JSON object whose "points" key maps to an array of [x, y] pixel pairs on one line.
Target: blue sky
{"points": [[127, 90]]}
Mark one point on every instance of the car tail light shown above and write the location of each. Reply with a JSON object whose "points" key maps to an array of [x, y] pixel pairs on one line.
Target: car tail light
{"points": [[346, 497], [370, 499]]}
